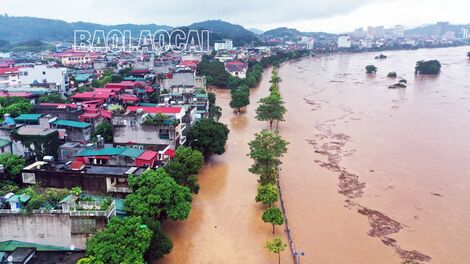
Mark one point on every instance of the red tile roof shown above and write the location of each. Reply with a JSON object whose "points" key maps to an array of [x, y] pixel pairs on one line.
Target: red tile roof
{"points": [[93, 95], [148, 155], [9, 70], [156, 109], [106, 114], [170, 152], [59, 105]]}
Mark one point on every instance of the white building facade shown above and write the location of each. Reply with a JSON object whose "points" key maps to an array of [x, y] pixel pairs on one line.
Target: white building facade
{"points": [[226, 45], [344, 42], [44, 74]]}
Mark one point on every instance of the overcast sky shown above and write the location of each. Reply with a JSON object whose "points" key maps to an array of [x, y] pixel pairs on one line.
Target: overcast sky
{"points": [[306, 15]]}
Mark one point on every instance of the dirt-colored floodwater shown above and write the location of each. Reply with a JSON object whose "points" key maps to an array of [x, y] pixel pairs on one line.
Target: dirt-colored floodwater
{"points": [[225, 224], [373, 175]]}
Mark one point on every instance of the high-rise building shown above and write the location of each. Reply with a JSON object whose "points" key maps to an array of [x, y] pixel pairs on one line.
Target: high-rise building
{"points": [[465, 34], [399, 31], [359, 32], [441, 28], [375, 32], [449, 35]]}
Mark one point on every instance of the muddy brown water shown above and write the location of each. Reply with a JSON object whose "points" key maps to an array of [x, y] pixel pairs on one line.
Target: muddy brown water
{"points": [[373, 175]]}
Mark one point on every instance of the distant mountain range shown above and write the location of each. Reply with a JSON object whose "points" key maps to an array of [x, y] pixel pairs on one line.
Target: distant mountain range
{"points": [[23, 29]]}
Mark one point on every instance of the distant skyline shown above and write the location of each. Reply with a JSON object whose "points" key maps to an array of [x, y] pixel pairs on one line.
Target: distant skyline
{"points": [[335, 16]]}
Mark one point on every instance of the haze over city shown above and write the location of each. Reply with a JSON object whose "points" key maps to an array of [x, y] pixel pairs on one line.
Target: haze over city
{"points": [[335, 16]]}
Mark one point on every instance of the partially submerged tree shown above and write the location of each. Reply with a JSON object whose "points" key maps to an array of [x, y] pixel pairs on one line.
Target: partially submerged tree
{"points": [[208, 136], [240, 97], [185, 166], [276, 246], [428, 67], [273, 216], [215, 112], [267, 194], [271, 108], [266, 150], [371, 69]]}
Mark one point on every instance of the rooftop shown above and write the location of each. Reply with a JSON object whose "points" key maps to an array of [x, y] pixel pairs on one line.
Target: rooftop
{"points": [[69, 123], [35, 131], [156, 109], [128, 152], [28, 117], [10, 245]]}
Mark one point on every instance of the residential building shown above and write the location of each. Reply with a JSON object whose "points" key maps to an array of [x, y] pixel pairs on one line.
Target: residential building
{"points": [[70, 58], [9, 76], [344, 42], [74, 130], [56, 78], [93, 179], [227, 44], [399, 31], [132, 128], [236, 68]]}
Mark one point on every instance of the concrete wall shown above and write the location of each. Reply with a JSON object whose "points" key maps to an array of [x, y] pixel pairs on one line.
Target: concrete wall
{"points": [[47, 229]]}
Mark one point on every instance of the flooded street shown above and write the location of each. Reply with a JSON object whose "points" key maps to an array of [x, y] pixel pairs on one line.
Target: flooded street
{"points": [[372, 174], [225, 224]]}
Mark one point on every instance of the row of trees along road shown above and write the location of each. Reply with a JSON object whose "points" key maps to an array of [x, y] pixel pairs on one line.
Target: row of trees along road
{"points": [[266, 151], [157, 195]]}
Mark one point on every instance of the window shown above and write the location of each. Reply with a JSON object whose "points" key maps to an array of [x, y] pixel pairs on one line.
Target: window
{"points": [[29, 177]]}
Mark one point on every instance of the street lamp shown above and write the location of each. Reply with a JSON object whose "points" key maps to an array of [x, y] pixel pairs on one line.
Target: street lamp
{"points": [[297, 255]]}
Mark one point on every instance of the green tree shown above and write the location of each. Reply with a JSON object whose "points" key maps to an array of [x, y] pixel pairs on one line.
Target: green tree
{"points": [[179, 172], [53, 97], [271, 108], [215, 112], [275, 79], [156, 196], [276, 246], [160, 244], [16, 109], [13, 164], [53, 195], [371, 69], [124, 240], [266, 150], [273, 216], [89, 260], [104, 129], [77, 191], [240, 97], [191, 158], [155, 97], [267, 194], [208, 136], [214, 71]]}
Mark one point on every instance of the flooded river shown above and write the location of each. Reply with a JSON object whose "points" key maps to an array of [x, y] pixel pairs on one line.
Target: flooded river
{"points": [[372, 175]]}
